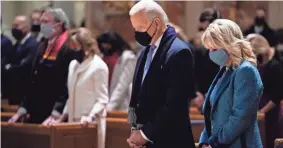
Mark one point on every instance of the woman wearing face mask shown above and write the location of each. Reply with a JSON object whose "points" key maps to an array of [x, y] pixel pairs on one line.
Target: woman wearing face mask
{"points": [[121, 62], [87, 85], [272, 76], [231, 104]]}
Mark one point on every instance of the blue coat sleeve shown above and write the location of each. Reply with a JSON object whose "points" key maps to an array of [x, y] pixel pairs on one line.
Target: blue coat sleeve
{"points": [[247, 90], [203, 138]]}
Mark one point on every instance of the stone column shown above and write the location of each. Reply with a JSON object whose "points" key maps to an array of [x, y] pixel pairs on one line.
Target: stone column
{"points": [[275, 14], [193, 10], [95, 16]]}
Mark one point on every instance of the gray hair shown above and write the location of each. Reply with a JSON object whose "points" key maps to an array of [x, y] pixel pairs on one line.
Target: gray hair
{"points": [[59, 15], [151, 9]]}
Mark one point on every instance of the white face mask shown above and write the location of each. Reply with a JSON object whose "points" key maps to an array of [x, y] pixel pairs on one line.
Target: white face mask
{"points": [[47, 30]]}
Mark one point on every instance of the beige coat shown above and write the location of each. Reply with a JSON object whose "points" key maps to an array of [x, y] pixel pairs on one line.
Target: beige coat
{"points": [[88, 93]]}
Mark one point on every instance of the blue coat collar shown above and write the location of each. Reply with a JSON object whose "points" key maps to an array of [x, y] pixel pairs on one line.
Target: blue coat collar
{"points": [[222, 85]]}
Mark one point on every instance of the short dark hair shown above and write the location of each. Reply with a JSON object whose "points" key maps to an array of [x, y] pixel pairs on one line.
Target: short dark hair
{"points": [[114, 39], [209, 15]]}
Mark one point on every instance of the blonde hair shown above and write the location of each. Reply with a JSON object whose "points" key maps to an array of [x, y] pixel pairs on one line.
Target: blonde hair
{"points": [[87, 41], [226, 34], [259, 44]]}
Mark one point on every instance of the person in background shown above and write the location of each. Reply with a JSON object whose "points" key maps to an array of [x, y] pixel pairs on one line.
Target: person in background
{"points": [[207, 16], [205, 69], [47, 94], [271, 72], [83, 23], [18, 63], [163, 82], [261, 27], [279, 46], [6, 48], [87, 85], [121, 62], [35, 25], [231, 104]]}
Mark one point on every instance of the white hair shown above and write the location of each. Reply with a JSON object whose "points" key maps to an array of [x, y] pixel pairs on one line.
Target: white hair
{"points": [[151, 9], [59, 15]]}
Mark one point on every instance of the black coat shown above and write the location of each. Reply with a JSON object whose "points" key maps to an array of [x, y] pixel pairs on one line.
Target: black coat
{"points": [[267, 32], [20, 58], [6, 48], [48, 88], [160, 103], [272, 79]]}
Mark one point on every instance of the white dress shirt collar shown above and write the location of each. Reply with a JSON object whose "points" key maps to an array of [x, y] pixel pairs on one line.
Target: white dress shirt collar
{"points": [[25, 38], [157, 43]]}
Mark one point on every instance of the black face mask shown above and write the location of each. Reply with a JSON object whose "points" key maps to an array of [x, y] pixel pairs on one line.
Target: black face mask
{"points": [[259, 21], [35, 28], [17, 34], [107, 52], [200, 29], [144, 38], [79, 55]]}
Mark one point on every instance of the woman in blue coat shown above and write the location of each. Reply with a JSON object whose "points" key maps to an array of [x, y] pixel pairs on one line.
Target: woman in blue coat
{"points": [[231, 104]]}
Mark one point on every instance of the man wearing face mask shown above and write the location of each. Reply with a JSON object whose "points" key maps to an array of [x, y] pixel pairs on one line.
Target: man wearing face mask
{"points": [[6, 48], [18, 63], [47, 94], [162, 84], [261, 27], [35, 25]]}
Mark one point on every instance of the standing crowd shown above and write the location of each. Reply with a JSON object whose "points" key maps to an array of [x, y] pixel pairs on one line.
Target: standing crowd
{"points": [[57, 74]]}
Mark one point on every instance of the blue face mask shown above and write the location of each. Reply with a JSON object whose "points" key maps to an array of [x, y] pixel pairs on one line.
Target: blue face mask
{"points": [[219, 57]]}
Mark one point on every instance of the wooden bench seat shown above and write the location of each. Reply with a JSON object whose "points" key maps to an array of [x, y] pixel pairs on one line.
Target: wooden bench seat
{"points": [[5, 116], [67, 135], [9, 108]]}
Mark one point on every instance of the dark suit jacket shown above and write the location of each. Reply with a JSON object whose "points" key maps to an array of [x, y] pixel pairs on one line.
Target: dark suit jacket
{"points": [[48, 88], [20, 59], [159, 106], [267, 32], [6, 48]]}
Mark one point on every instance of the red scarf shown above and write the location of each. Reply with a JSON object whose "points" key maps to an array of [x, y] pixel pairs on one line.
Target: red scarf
{"points": [[53, 49]]}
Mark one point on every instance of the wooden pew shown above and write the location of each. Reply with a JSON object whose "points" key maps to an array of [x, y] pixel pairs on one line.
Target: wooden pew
{"points": [[123, 114], [58, 136], [120, 125], [118, 131], [117, 114], [4, 102], [5, 116], [9, 108]]}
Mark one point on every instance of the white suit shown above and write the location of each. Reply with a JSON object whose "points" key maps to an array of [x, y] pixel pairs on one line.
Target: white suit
{"points": [[88, 93]]}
